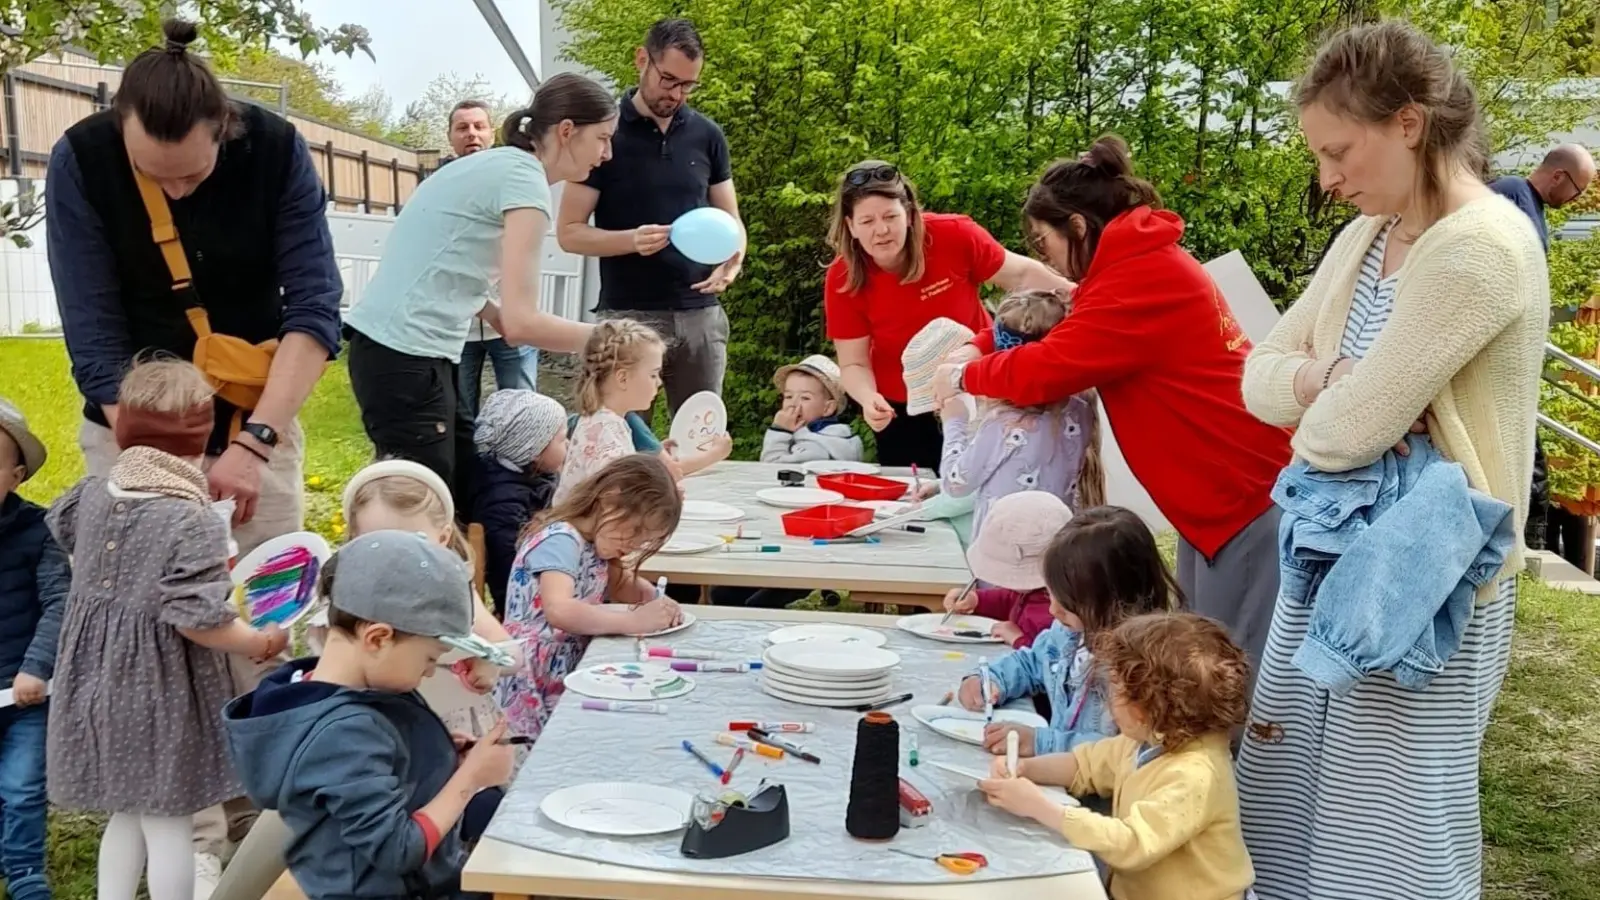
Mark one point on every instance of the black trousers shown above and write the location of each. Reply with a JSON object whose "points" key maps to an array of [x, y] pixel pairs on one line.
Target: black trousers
{"points": [[911, 439], [410, 409]]}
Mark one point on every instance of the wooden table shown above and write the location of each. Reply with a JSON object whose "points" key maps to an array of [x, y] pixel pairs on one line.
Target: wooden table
{"points": [[509, 871], [905, 569]]}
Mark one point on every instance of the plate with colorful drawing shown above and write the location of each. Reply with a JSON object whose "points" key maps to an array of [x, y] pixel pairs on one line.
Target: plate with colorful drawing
{"points": [[276, 583], [687, 620], [701, 418], [961, 629], [629, 681]]}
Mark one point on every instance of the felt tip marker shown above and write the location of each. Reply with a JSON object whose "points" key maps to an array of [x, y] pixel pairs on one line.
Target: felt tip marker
{"points": [[733, 740], [738, 755], [788, 727], [624, 706], [688, 665], [515, 740], [761, 736], [661, 587], [884, 704], [751, 548], [705, 760], [988, 699], [670, 653]]}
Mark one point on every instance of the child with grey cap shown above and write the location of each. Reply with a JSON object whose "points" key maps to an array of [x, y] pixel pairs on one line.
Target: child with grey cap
{"points": [[522, 444], [394, 818]]}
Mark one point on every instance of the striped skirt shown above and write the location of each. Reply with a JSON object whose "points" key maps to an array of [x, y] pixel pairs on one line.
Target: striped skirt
{"points": [[1373, 795]]}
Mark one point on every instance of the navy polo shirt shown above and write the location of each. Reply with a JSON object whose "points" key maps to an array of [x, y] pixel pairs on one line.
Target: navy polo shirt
{"points": [[653, 178]]}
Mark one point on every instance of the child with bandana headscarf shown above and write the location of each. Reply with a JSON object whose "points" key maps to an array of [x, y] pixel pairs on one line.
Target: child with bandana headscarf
{"points": [[522, 444]]}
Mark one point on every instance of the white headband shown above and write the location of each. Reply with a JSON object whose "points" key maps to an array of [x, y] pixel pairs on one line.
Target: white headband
{"points": [[396, 467]]}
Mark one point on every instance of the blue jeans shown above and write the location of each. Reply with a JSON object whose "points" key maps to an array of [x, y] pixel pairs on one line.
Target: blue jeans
{"points": [[22, 793], [514, 367]]}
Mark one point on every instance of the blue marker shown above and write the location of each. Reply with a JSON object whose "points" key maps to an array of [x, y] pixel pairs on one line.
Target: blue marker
{"points": [[715, 769]]}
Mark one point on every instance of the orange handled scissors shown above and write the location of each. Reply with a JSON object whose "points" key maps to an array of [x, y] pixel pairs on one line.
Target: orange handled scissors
{"points": [[956, 863]]}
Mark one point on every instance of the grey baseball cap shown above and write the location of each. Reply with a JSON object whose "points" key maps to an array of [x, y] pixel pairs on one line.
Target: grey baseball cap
{"points": [[404, 580]]}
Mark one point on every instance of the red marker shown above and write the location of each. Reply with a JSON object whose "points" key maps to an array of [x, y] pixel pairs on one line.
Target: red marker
{"points": [[727, 773], [790, 727]]}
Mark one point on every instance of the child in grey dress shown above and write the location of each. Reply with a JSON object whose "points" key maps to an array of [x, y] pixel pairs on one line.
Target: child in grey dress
{"points": [[136, 720], [1004, 449]]}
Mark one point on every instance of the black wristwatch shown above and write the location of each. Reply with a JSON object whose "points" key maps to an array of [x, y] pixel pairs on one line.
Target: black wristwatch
{"points": [[266, 435]]}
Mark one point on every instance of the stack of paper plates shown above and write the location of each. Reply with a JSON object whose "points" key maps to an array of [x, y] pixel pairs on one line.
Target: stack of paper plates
{"points": [[828, 673]]}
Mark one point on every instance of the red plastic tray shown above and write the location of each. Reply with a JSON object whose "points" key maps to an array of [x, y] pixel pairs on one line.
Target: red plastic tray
{"points": [[826, 521], [863, 487]]}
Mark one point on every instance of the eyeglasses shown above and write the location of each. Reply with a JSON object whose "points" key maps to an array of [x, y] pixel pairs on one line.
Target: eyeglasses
{"points": [[867, 174], [670, 83]]}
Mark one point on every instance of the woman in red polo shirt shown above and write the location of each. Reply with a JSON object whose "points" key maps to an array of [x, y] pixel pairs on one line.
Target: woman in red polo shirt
{"points": [[899, 268], [1150, 331]]}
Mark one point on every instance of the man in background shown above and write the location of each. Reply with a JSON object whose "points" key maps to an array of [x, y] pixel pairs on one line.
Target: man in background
{"points": [[471, 130], [667, 159], [1561, 178]]}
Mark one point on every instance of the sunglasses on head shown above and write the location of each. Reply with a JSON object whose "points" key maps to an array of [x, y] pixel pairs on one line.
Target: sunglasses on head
{"points": [[867, 174]]}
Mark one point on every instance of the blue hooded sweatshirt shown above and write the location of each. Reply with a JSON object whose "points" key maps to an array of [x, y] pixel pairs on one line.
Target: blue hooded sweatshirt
{"points": [[346, 769]]}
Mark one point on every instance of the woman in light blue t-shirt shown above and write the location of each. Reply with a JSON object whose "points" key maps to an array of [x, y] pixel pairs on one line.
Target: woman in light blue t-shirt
{"points": [[482, 218]]}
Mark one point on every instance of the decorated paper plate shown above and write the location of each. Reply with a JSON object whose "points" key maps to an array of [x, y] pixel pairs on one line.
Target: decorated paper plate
{"points": [[961, 629], [710, 511], [798, 497], [839, 467], [618, 808], [966, 726], [629, 681], [684, 543], [689, 618], [826, 631], [276, 583], [700, 418]]}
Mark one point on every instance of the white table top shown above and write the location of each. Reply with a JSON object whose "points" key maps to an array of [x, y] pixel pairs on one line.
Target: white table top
{"points": [[506, 869], [901, 563]]}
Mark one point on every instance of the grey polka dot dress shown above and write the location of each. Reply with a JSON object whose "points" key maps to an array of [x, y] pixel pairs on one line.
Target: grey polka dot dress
{"points": [[136, 708]]}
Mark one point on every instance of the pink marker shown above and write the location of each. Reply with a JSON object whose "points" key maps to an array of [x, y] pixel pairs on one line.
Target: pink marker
{"points": [[669, 653]]}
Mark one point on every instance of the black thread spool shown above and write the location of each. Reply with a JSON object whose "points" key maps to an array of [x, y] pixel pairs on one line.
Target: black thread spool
{"points": [[874, 810]]}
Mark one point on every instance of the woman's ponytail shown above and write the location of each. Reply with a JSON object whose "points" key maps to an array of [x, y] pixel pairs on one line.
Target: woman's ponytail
{"points": [[565, 97]]}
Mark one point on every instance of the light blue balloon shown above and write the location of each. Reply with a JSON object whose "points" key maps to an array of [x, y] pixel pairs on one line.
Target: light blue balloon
{"points": [[706, 235]]}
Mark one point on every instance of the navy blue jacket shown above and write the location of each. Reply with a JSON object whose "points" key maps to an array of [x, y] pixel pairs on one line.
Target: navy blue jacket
{"points": [[346, 769], [34, 577], [504, 502]]}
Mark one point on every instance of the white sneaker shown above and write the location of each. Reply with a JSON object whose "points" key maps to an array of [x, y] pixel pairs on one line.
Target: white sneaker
{"points": [[207, 872]]}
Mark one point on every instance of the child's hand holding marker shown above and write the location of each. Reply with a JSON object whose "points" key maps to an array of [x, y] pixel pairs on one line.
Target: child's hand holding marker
{"points": [[657, 615], [971, 693]]}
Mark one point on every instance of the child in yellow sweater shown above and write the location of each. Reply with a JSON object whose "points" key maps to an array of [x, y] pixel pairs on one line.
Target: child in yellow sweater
{"points": [[1177, 691]]}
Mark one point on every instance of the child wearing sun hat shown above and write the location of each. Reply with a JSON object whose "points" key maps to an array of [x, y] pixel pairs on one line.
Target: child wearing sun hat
{"points": [[924, 354], [807, 427]]}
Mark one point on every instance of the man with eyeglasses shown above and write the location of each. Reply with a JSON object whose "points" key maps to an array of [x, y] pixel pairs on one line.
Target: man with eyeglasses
{"points": [[667, 159], [1561, 178]]}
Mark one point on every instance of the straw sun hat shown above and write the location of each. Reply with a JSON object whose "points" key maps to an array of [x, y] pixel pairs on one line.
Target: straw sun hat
{"points": [[923, 356], [819, 367]]}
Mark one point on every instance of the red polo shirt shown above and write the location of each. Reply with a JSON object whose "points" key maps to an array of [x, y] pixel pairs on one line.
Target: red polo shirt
{"points": [[960, 257]]}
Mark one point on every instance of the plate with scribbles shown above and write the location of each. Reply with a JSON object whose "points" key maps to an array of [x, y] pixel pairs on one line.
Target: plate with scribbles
{"points": [[629, 681], [276, 583]]}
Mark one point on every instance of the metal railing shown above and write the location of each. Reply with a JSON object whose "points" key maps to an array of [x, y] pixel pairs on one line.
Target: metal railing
{"points": [[1584, 368]]}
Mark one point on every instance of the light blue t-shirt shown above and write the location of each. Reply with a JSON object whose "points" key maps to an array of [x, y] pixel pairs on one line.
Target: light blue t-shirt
{"points": [[443, 252]]}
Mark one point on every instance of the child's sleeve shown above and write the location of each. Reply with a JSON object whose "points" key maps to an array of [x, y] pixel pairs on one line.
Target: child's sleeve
{"points": [[52, 579], [1168, 816], [995, 603], [1034, 619], [963, 464], [1020, 673], [195, 589], [778, 446], [1099, 763], [62, 519], [361, 792]]}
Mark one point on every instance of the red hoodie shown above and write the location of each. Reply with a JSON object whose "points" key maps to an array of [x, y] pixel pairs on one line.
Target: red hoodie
{"points": [[1150, 330]]}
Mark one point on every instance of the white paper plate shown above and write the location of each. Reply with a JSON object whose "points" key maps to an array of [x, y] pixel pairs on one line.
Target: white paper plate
{"points": [[829, 658], [966, 726], [288, 603], [798, 497], [839, 467], [689, 618], [823, 631], [887, 522], [710, 511], [837, 681], [684, 543], [927, 625], [700, 418], [813, 700], [834, 689], [629, 681], [1055, 791], [618, 808]]}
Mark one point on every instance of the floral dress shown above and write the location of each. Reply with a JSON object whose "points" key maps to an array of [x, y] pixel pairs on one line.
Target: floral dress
{"points": [[597, 441], [529, 695]]}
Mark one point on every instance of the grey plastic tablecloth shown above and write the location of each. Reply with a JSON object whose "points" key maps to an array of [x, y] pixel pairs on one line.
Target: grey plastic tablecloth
{"points": [[579, 746]]}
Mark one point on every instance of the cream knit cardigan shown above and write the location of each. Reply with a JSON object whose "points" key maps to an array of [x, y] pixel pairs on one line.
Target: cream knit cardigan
{"points": [[1464, 342]]}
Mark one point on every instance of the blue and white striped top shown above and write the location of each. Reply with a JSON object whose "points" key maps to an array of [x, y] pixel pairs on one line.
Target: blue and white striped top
{"points": [[1373, 300]]}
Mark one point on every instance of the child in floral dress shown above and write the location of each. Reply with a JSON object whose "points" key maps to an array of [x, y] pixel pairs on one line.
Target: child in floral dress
{"points": [[582, 552]]}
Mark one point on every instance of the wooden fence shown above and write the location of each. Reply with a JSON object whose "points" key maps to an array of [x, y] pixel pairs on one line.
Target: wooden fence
{"points": [[41, 100]]}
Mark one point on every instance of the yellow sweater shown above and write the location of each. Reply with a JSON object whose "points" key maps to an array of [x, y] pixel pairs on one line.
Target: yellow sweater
{"points": [[1175, 831], [1465, 342]]}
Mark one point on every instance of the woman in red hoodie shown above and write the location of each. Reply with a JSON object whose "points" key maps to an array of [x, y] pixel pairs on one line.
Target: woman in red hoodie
{"points": [[1150, 331]]}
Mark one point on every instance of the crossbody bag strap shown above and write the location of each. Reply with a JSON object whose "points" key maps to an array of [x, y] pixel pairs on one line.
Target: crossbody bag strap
{"points": [[165, 234]]}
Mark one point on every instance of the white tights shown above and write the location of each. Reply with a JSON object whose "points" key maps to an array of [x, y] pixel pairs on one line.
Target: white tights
{"points": [[169, 843]]}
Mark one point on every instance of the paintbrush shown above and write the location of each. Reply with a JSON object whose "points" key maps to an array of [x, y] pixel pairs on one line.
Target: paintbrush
{"points": [[959, 597]]}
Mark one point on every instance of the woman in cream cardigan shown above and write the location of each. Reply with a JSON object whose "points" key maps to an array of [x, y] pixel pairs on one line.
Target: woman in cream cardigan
{"points": [[1429, 313]]}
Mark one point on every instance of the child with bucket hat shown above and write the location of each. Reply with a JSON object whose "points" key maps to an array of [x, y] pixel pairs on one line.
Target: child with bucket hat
{"points": [[1006, 559], [807, 427]]}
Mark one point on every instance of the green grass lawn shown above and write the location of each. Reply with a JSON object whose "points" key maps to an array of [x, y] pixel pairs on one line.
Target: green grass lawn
{"points": [[1541, 769]]}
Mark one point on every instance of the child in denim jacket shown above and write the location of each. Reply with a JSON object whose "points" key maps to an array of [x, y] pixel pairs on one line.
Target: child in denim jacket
{"points": [[1100, 569]]}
